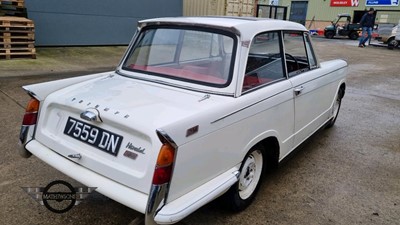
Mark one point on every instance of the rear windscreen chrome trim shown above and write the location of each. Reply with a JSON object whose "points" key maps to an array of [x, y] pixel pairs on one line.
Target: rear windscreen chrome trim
{"points": [[119, 72]]}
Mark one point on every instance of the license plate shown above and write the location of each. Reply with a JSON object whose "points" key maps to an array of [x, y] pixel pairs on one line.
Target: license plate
{"points": [[92, 135]]}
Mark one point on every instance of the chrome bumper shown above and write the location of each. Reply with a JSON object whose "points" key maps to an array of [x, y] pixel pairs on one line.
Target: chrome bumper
{"points": [[155, 202], [25, 136]]}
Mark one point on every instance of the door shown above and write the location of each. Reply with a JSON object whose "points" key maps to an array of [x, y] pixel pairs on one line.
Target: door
{"points": [[311, 97], [298, 11], [266, 86]]}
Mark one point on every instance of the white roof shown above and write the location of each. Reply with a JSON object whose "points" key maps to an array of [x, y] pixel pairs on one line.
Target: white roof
{"points": [[244, 26]]}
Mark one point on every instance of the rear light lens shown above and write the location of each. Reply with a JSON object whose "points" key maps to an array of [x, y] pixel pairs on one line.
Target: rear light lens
{"points": [[162, 175], [31, 112], [163, 171], [166, 155]]}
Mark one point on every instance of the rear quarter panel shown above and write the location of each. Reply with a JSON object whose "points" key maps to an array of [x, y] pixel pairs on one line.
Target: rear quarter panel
{"points": [[227, 133]]}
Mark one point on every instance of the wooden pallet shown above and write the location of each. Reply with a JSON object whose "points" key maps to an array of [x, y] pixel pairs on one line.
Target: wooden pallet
{"points": [[16, 13], [10, 21], [17, 3], [8, 37], [17, 44], [16, 29], [12, 53], [17, 37], [13, 8]]}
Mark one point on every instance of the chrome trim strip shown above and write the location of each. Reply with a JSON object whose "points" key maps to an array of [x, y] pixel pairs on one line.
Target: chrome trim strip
{"points": [[166, 137], [25, 137], [323, 75], [75, 156], [121, 73], [158, 193], [248, 106], [23, 134], [155, 202]]}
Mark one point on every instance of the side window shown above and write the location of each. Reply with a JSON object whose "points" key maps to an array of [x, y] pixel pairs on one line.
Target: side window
{"points": [[310, 52], [264, 63], [297, 50]]}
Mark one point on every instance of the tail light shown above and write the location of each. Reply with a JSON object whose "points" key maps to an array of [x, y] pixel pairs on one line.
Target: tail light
{"points": [[31, 112], [163, 170]]}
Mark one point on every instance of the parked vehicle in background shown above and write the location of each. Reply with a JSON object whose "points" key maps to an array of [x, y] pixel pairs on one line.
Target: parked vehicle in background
{"points": [[342, 26], [394, 39], [198, 108], [383, 31]]}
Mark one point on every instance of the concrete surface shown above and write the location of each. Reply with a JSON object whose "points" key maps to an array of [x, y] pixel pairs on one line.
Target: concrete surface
{"points": [[64, 60], [349, 174]]}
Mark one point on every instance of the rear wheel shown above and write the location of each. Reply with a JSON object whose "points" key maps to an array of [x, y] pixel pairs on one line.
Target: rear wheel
{"points": [[243, 192], [353, 35]]}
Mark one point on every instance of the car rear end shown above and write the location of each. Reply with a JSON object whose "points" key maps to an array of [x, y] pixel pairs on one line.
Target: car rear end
{"points": [[105, 131], [94, 137]]}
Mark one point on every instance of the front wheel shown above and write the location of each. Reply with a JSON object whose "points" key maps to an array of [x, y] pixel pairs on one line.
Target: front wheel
{"points": [[243, 192], [392, 43]]}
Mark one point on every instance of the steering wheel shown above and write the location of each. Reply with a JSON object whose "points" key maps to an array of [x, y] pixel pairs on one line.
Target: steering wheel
{"points": [[295, 60]]}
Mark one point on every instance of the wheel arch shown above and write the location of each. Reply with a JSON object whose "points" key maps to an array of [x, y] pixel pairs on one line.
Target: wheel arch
{"points": [[342, 90], [271, 146], [390, 39], [242, 193], [272, 152], [392, 43]]}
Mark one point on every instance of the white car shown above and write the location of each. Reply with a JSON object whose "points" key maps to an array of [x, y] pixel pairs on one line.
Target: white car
{"points": [[198, 107], [393, 39]]}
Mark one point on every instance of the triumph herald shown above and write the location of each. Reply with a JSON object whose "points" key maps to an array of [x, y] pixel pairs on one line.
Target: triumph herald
{"points": [[198, 108]]}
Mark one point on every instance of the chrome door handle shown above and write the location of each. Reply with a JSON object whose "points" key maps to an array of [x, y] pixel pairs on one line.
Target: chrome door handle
{"points": [[298, 90]]}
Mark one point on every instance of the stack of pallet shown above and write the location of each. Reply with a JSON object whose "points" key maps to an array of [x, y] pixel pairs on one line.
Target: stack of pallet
{"points": [[17, 37], [13, 8], [17, 33]]}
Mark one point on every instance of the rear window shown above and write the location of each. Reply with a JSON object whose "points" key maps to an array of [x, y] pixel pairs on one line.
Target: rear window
{"points": [[197, 56]]}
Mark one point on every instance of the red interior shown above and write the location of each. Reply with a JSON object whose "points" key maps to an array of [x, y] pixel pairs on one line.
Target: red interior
{"points": [[253, 81], [198, 73]]}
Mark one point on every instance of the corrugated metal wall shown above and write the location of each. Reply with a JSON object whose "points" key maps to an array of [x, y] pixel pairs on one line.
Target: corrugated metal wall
{"points": [[93, 22], [240, 7], [203, 8], [219, 7]]}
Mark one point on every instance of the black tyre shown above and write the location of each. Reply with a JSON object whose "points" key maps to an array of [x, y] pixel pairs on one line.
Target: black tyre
{"points": [[243, 192], [329, 34], [392, 43], [336, 108], [353, 35]]}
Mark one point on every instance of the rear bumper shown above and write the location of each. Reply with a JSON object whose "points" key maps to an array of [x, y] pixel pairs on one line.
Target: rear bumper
{"points": [[171, 212], [116, 191], [190, 202], [25, 136]]}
